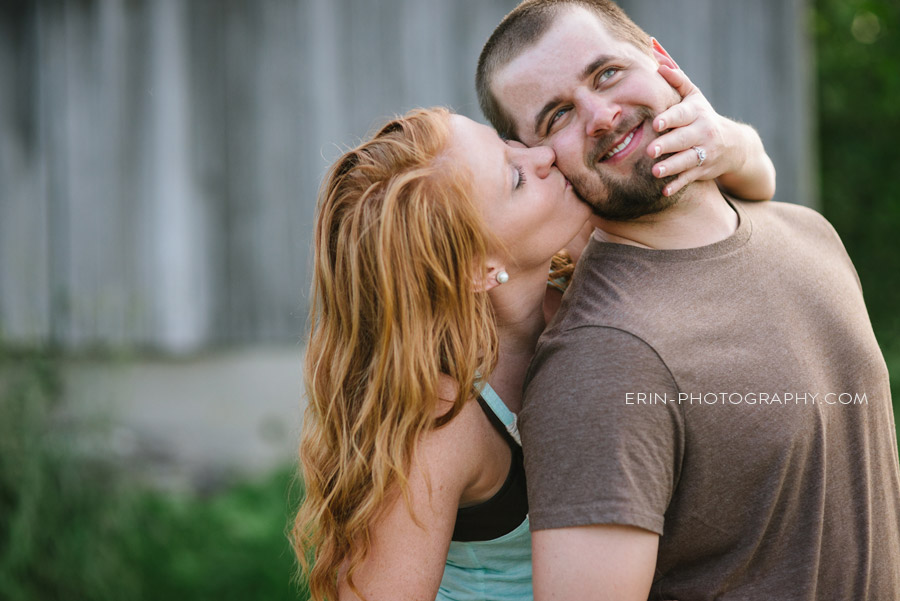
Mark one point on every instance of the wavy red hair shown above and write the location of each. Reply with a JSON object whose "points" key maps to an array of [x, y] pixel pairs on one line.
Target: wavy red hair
{"points": [[399, 246]]}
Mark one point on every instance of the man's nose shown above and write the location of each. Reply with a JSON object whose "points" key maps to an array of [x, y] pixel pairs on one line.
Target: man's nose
{"points": [[599, 113]]}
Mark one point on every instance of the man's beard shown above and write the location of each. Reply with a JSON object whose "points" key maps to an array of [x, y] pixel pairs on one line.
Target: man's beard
{"points": [[624, 199]]}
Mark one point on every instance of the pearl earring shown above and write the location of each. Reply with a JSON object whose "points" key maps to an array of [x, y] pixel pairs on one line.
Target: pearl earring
{"points": [[502, 277]]}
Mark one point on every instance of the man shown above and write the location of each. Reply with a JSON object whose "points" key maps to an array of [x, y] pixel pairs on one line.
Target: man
{"points": [[709, 414]]}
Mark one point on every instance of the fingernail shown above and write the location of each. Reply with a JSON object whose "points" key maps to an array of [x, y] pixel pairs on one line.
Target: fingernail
{"points": [[662, 169], [656, 151], [660, 125], [667, 191]]}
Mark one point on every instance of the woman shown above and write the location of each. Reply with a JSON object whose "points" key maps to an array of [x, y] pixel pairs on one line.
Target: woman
{"points": [[433, 244]]}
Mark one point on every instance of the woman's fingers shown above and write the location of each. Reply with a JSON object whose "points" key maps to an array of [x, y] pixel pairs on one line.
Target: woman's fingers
{"points": [[677, 78], [681, 181], [686, 111], [699, 133], [680, 163], [683, 126], [678, 115]]}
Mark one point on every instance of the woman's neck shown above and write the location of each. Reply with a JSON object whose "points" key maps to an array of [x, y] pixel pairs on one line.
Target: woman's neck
{"points": [[518, 306]]}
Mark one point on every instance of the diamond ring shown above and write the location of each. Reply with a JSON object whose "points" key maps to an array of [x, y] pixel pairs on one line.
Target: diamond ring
{"points": [[701, 154]]}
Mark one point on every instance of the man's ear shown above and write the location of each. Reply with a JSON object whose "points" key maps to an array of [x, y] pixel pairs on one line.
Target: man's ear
{"points": [[660, 54], [488, 279]]}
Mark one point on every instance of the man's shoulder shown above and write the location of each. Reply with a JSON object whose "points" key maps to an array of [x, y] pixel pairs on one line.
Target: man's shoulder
{"points": [[590, 320], [607, 289], [568, 332], [794, 225], [787, 213], [595, 350]]}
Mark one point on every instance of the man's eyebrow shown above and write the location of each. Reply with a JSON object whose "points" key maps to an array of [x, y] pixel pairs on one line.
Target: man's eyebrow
{"points": [[596, 64], [590, 68]]}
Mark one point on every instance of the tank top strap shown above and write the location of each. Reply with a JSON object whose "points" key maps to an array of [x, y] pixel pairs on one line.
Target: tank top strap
{"points": [[507, 417]]}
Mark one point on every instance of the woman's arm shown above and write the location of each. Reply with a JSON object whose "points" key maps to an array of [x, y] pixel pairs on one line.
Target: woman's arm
{"points": [[735, 156], [407, 554]]}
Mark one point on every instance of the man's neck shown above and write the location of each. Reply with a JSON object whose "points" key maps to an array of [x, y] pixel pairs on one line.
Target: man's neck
{"points": [[700, 217]]}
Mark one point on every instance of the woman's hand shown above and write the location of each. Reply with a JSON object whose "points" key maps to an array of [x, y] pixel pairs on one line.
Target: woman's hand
{"points": [[734, 152]]}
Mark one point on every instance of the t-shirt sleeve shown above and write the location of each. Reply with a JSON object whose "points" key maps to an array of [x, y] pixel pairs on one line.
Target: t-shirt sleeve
{"points": [[596, 451]]}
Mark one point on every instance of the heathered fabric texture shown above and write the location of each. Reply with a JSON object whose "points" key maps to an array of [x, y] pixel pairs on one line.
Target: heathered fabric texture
{"points": [[754, 499]]}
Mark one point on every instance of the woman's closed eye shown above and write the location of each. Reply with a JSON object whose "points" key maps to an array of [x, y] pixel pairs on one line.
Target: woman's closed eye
{"points": [[520, 179]]}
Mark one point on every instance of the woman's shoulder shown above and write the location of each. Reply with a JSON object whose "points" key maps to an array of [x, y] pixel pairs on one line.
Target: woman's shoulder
{"points": [[411, 532], [458, 437], [465, 449]]}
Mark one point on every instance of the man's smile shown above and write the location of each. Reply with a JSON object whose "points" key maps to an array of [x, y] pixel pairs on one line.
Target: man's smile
{"points": [[623, 147]]}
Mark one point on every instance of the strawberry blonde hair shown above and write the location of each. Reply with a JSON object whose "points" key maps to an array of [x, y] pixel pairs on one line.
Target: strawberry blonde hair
{"points": [[399, 246]]}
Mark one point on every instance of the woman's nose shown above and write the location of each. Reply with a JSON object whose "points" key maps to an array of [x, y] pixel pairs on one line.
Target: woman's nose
{"points": [[544, 158]]}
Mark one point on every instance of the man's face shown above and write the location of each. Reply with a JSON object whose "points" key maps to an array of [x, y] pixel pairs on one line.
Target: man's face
{"points": [[592, 97]]}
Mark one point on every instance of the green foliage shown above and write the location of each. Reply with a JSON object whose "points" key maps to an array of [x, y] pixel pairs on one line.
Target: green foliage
{"points": [[858, 72], [229, 547], [893, 363], [77, 529], [57, 519]]}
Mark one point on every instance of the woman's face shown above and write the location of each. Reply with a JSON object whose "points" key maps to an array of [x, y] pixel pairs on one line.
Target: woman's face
{"points": [[526, 201]]}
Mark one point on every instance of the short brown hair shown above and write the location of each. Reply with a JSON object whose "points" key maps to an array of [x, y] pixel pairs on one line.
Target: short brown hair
{"points": [[522, 28]]}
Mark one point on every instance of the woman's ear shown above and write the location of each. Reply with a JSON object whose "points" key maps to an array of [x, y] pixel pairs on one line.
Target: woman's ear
{"points": [[660, 54], [488, 279]]}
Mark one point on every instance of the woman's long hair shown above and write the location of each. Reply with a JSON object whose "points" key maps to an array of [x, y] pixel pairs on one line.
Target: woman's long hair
{"points": [[399, 246]]}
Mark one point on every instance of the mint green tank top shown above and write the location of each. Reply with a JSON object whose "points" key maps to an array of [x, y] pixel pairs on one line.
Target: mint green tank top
{"points": [[492, 570]]}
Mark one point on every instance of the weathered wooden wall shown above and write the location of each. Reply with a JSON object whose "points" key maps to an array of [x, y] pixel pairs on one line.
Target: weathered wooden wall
{"points": [[159, 159]]}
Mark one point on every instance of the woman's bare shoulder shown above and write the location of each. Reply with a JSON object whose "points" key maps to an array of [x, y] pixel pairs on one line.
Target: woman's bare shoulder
{"points": [[456, 445], [411, 535]]}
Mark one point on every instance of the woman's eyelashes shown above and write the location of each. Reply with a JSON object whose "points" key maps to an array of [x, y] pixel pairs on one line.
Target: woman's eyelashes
{"points": [[520, 180]]}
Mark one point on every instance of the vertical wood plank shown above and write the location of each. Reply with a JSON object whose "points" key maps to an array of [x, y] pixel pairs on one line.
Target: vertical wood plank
{"points": [[159, 161], [24, 238]]}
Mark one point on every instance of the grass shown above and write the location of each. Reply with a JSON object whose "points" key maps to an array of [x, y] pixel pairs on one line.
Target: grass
{"points": [[231, 546], [78, 529]]}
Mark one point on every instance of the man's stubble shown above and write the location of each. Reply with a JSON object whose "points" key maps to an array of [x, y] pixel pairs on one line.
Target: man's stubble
{"points": [[615, 198]]}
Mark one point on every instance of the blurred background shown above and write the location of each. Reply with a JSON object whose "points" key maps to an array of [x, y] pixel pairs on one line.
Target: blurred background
{"points": [[159, 162]]}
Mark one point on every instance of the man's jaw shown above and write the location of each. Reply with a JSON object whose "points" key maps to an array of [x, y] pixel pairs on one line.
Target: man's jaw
{"points": [[623, 187]]}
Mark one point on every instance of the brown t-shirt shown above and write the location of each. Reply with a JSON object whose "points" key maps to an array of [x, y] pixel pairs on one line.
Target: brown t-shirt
{"points": [[731, 398]]}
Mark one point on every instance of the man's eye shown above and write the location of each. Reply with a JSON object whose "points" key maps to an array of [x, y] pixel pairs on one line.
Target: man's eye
{"points": [[555, 117], [606, 74]]}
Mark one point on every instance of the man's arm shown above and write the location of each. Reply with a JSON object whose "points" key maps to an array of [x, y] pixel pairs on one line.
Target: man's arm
{"points": [[596, 562], [601, 466]]}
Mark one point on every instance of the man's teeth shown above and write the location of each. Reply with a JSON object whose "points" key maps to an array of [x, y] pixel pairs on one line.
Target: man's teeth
{"points": [[620, 147]]}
